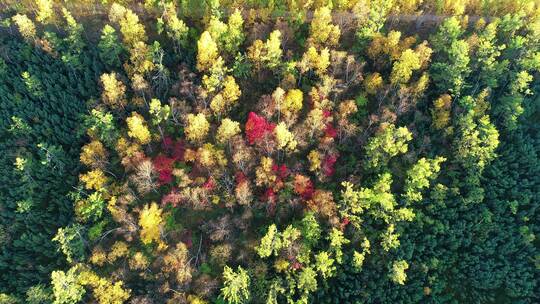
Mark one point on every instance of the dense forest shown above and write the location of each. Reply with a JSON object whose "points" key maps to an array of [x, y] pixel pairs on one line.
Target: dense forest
{"points": [[269, 151]]}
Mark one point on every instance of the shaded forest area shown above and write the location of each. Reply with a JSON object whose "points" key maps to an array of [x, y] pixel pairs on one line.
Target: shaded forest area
{"points": [[285, 151]]}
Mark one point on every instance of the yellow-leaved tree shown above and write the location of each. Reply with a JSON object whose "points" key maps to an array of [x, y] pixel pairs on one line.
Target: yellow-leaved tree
{"points": [[266, 54], [273, 49], [226, 130], [94, 154], [104, 291], [226, 99], [175, 28], [26, 26], [314, 61], [322, 32], [132, 30], [138, 129], [197, 127], [150, 221], [284, 138], [231, 91], [45, 11], [441, 112], [207, 52], [114, 90], [292, 102], [398, 274], [373, 82], [402, 70], [94, 179]]}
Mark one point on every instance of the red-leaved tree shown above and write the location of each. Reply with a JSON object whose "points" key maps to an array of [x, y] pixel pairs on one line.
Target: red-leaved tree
{"points": [[257, 128]]}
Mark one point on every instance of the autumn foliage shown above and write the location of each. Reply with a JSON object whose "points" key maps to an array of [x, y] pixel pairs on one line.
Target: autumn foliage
{"points": [[269, 152], [257, 128]]}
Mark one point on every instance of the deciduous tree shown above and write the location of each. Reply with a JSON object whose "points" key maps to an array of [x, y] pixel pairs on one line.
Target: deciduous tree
{"points": [[132, 30], [273, 51], [398, 274], [197, 127], [150, 220], [71, 243], [234, 36], [284, 138], [26, 27], [403, 68], [387, 143], [271, 243], [313, 60], [227, 130], [419, 176], [175, 28], [113, 91], [322, 32], [441, 112], [67, 288], [45, 11], [94, 179], [137, 128], [235, 285], [207, 52], [109, 46]]}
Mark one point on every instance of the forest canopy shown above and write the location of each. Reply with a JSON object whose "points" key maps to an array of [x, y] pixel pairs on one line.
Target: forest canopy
{"points": [[251, 151]]}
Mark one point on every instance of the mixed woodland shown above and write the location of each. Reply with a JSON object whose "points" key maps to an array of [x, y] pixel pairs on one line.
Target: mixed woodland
{"points": [[269, 151]]}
